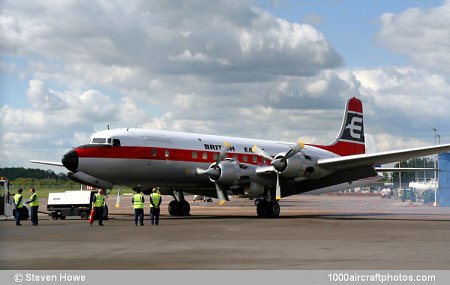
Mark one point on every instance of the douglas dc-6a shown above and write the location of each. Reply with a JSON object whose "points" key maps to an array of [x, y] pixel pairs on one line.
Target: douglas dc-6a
{"points": [[218, 166]]}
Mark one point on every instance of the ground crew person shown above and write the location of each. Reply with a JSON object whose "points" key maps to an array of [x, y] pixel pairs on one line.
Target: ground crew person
{"points": [[155, 202], [34, 206], [98, 202], [138, 205], [18, 205]]}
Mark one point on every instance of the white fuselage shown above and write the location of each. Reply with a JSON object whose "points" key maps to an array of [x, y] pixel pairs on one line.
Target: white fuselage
{"points": [[170, 159]]}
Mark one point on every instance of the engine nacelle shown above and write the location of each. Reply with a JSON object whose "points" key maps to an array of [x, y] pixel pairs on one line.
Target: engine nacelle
{"points": [[299, 166], [232, 173]]}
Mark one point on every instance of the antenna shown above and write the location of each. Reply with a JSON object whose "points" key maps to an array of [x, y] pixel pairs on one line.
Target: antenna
{"points": [[107, 126]]}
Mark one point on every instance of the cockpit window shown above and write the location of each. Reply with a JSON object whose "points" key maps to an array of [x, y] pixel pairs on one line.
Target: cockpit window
{"points": [[98, 140], [115, 142]]}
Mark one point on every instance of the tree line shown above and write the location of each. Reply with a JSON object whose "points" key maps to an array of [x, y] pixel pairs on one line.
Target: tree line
{"points": [[13, 173]]}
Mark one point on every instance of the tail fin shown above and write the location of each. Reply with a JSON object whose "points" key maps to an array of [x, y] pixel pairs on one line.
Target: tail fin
{"points": [[351, 137]]}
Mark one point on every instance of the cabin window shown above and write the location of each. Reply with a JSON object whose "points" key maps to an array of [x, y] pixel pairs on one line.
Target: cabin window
{"points": [[255, 159], [215, 156], [166, 153], [115, 142], [194, 155], [235, 156], [205, 155], [153, 152], [245, 158], [109, 141]]}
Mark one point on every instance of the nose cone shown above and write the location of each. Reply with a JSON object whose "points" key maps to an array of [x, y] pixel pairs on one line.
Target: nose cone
{"points": [[70, 160]]}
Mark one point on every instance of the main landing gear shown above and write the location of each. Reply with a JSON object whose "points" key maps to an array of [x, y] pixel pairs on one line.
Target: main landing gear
{"points": [[179, 206], [268, 209]]}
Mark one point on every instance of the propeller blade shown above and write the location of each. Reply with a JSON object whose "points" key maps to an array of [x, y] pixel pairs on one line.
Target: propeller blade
{"points": [[259, 151], [200, 171], [220, 194], [210, 171], [298, 147], [278, 188], [223, 152]]}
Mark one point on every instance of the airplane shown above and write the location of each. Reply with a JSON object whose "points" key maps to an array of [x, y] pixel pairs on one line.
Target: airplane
{"points": [[216, 166]]}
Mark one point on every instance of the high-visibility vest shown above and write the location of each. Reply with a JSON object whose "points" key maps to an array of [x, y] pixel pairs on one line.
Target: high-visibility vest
{"points": [[99, 200], [35, 202], [138, 201], [16, 200], [155, 198]]}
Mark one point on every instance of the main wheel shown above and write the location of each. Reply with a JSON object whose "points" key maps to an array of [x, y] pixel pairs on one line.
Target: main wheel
{"points": [[184, 208], [261, 208], [173, 208], [273, 209]]}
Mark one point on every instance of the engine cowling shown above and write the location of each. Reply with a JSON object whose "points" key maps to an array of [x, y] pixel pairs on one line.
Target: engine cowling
{"points": [[299, 166], [232, 173]]}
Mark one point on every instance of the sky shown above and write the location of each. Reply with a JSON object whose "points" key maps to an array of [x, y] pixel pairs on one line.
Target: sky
{"points": [[277, 70]]}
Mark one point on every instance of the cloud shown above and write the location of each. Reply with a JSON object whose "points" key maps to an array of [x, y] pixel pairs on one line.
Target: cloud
{"points": [[420, 34], [406, 102], [163, 37]]}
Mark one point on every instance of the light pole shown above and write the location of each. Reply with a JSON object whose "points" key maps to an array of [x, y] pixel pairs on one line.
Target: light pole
{"points": [[435, 181]]}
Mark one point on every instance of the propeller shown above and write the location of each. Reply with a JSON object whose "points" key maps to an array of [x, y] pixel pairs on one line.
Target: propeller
{"points": [[279, 164], [214, 171]]}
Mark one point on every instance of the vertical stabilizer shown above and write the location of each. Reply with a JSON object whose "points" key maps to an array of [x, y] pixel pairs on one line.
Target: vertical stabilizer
{"points": [[351, 136]]}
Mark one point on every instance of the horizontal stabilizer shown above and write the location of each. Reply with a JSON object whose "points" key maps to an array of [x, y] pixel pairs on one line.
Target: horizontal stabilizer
{"points": [[359, 160], [47, 162]]}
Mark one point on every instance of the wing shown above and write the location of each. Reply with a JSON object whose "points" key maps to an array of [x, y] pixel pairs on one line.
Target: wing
{"points": [[47, 162], [361, 160]]}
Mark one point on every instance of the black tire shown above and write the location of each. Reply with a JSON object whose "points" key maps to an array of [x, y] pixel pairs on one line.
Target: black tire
{"points": [[24, 213], [84, 215], [55, 216], [184, 208], [62, 217], [173, 208], [273, 209], [261, 209]]}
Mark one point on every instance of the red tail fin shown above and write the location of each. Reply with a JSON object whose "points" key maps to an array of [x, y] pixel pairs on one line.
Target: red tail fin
{"points": [[351, 137]]}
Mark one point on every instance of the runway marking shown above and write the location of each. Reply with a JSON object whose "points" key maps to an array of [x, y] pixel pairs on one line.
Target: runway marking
{"points": [[227, 231]]}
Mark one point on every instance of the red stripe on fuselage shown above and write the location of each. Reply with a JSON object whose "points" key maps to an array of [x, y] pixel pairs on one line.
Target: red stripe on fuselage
{"points": [[155, 153]]}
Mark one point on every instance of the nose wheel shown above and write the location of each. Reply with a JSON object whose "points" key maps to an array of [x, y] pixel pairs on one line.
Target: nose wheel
{"points": [[268, 209]]}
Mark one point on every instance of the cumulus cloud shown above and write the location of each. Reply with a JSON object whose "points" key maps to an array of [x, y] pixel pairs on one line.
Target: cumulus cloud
{"points": [[421, 34], [406, 102]]}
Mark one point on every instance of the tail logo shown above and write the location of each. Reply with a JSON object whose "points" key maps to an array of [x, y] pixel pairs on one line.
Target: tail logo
{"points": [[354, 128]]}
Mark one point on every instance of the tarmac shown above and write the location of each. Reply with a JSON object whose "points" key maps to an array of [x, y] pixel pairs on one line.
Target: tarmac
{"points": [[313, 232]]}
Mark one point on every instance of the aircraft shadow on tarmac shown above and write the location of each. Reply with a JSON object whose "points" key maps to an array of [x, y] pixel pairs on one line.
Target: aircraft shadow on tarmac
{"points": [[414, 217]]}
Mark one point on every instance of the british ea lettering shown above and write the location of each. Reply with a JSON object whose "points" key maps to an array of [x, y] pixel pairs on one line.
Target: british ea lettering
{"points": [[248, 149], [217, 147]]}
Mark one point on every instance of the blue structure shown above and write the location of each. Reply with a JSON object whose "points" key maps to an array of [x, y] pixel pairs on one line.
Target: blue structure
{"points": [[444, 180]]}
